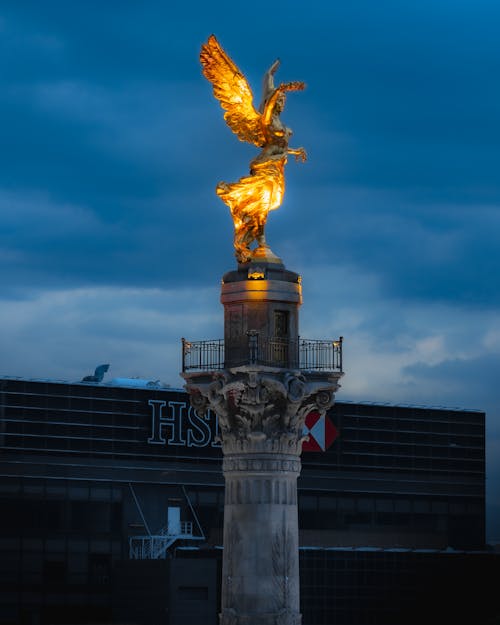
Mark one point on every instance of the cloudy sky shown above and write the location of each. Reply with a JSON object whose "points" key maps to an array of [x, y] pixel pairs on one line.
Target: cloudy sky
{"points": [[113, 241]]}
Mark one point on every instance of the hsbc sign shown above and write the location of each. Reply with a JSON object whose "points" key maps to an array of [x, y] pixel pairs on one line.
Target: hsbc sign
{"points": [[178, 424], [175, 423], [320, 430]]}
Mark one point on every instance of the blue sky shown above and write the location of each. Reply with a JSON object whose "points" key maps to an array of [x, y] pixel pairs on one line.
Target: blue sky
{"points": [[113, 240]]}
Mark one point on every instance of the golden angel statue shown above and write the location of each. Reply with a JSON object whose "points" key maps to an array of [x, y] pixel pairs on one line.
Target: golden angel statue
{"points": [[252, 197]]}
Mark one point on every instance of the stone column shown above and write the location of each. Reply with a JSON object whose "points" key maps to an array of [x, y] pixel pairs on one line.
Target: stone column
{"points": [[261, 417], [261, 410]]}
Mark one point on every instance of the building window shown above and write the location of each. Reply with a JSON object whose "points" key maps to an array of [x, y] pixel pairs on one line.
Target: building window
{"points": [[281, 323]]}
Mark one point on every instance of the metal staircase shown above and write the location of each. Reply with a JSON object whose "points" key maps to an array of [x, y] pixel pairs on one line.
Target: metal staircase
{"points": [[155, 546]]}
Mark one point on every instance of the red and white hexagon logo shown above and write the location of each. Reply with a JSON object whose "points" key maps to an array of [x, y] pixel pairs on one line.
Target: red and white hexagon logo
{"points": [[320, 430]]}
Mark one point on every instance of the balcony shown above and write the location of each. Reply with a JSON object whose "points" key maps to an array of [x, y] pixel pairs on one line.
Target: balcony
{"points": [[252, 349]]}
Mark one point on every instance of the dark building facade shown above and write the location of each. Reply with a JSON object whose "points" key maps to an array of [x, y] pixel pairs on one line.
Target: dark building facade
{"points": [[94, 477]]}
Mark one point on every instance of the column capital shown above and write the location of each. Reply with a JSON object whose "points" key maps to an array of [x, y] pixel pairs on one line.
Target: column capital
{"points": [[261, 409]]}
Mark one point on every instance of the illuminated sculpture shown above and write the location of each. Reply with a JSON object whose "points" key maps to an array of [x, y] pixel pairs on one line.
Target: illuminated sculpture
{"points": [[252, 197]]}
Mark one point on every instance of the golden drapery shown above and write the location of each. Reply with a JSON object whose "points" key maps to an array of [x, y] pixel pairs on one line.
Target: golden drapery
{"points": [[250, 200]]}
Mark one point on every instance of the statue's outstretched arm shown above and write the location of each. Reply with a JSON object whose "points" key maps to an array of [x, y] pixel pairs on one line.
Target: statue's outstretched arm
{"points": [[267, 113], [268, 84], [299, 153]]}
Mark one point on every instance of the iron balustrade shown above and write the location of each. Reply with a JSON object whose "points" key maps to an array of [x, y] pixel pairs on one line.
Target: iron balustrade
{"points": [[321, 355], [202, 355], [252, 349]]}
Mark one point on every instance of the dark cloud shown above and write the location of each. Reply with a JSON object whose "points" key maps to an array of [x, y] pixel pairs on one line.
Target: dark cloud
{"points": [[458, 379]]}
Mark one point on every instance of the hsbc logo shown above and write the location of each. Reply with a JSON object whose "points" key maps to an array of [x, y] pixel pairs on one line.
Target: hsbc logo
{"points": [[320, 430]]}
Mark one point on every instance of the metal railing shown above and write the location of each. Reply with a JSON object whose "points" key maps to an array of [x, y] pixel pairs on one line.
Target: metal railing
{"points": [[321, 355], [155, 546], [253, 349], [202, 355]]}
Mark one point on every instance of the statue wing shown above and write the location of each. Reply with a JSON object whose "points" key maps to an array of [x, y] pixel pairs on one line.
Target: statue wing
{"points": [[233, 92]]}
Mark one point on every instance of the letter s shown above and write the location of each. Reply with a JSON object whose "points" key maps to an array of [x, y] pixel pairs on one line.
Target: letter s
{"points": [[201, 427]]}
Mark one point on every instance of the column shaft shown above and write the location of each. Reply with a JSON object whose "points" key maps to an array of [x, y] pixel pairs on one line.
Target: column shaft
{"points": [[260, 582]]}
